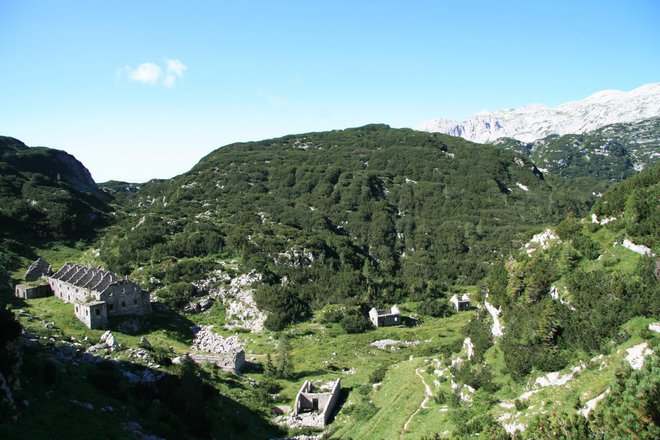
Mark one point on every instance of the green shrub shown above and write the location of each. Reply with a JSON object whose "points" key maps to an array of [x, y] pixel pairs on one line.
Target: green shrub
{"points": [[178, 294], [378, 374], [438, 308], [355, 323]]}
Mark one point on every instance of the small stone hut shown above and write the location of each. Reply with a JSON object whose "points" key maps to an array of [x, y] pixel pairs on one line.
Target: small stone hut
{"points": [[385, 317], [314, 407], [462, 303], [231, 361]]}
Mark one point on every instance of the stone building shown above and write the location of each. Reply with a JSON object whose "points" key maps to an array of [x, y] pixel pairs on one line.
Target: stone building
{"points": [[97, 294], [38, 269], [30, 291], [231, 361], [314, 407], [462, 303], [385, 317]]}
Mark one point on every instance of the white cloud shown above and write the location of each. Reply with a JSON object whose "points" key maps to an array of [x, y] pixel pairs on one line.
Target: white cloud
{"points": [[147, 73], [175, 67], [151, 73], [273, 100], [169, 80]]}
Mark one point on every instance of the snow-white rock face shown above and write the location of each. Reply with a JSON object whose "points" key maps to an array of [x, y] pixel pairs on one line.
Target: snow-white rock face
{"points": [[554, 294], [392, 344], [238, 299], [636, 355], [512, 428], [241, 306], [496, 330], [523, 187], [553, 379], [542, 240], [536, 121], [591, 404], [469, 348], [604, 221], [637, 248], [655, 327]]}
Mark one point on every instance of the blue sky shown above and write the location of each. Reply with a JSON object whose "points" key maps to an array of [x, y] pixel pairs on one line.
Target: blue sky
{"points": [[144, 89]]}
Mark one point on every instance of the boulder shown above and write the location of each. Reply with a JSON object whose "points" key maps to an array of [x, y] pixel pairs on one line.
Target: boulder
{"points": [[108, 339]]}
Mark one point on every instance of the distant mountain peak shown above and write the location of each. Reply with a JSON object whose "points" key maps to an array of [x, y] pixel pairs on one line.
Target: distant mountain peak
{"points": [[536, 121]]}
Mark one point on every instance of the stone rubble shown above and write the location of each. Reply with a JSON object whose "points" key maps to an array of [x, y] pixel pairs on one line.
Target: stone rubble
{"points": [[469, 347], [205, 340], [86, 405], [144, 343], [554, 294], [497, 329], [591, 404], [238, 299], [107, 341], [637, 248], [393, 344], [542, 240], [512, 428], [636, 355], [553, 379]]}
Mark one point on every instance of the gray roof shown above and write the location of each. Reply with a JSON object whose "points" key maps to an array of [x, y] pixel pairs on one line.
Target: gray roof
{"points": [[88, 277]]}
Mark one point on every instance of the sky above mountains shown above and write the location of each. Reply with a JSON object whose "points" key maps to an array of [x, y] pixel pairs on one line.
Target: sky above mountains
{"points": [[139, 90]]}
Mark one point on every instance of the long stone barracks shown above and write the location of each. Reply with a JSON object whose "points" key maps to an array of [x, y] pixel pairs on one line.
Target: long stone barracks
{"points": [[97, 294]]}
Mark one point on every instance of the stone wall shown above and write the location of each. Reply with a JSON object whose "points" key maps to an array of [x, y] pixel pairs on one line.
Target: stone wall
{"points": [[68, 292], [38, 269], [385, 317], [126, 298], [27, 291], [232, 361], [93, 315], [316, 414]]}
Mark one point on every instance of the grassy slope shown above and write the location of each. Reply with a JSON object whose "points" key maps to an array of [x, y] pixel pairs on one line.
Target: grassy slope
{"points": [[586, 384], [322, 352]]}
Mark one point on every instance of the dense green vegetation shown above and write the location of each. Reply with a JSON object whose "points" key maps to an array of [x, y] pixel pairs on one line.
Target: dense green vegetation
{"points": [[46, 195], [367, 215], [611, 153], [337, 222], [603, 294]]}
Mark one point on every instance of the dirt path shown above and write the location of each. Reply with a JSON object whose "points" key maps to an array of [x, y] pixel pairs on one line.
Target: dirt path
{"points": [[427, 395]]}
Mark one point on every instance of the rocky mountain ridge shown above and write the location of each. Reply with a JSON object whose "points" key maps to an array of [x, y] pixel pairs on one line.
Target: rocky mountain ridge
{"points": [[612, 152], [536, 121]]}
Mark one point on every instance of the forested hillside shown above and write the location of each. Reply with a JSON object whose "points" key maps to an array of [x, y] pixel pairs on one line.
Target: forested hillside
{"points": [[596, 158], [316, 228], [370, 214], [46, 195], [569, 298]]}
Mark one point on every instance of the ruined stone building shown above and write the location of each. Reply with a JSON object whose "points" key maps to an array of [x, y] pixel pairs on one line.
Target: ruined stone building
{"points": [[38, 269], [231, 361], [462, 303], [314, 407], [385, 317], [97, 294], [36, 287], [30, 291]]}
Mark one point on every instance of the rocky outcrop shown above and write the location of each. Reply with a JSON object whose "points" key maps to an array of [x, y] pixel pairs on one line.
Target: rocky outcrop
{"points": [[237, 297], [107, 342], [208, 341]]}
